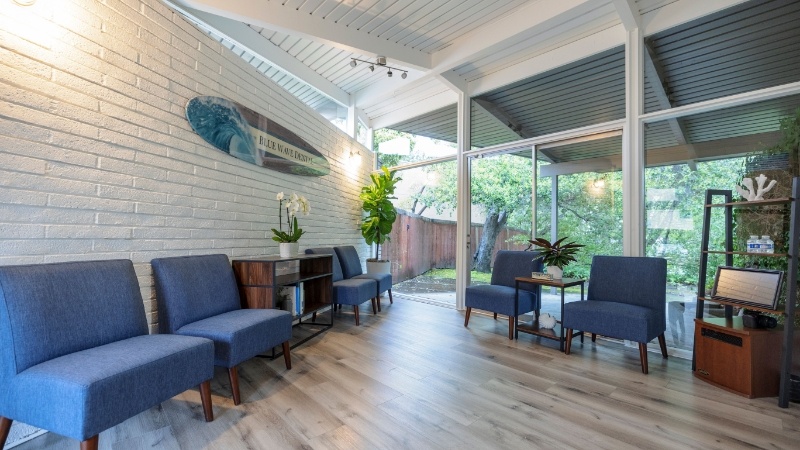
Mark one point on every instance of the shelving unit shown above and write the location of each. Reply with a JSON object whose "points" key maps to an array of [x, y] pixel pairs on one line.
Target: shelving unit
{"points": [[791, 276], [259, 283]]}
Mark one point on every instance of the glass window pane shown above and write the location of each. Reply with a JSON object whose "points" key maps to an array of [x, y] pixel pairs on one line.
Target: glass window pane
{"points": [[721, 148], [423, 241], [394, 147]]}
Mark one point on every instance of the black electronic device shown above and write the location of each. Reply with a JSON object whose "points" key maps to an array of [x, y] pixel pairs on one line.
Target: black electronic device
{"points": [[748, 287], [756, 320]]}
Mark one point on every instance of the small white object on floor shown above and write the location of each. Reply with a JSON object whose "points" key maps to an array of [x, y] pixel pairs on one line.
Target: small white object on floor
{"points": [[547, 321]]}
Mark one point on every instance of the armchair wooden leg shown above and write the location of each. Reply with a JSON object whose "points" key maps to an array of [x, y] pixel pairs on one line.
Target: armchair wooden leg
{"points": [[378, 300], [233, 376], [287, 357], [391, 301], [495, 316], [205, 397], [466, 317], [5, 427], [643, 356], [374, 307], [314, 316], [355, 310], [568, 341], [594, 337], [511, 325], [663, 344], [91, 443]]}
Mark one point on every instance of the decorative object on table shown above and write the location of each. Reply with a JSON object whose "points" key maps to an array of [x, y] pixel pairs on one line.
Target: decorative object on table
{"points": [[381, 214], [547, 321], [757, 193], [541, 276], [288, 239], [245, 134], [556, 255]]}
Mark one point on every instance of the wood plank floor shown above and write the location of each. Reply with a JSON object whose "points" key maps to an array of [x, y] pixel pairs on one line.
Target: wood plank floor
{"points": [[413, 377]]}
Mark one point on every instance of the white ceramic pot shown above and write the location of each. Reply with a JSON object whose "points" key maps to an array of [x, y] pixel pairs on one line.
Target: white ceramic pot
{"points": [[379, 267], [555, 272], [289, 249]]}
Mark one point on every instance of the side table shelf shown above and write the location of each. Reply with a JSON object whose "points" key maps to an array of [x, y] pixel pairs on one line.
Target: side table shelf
{"points": [[259, 283]]}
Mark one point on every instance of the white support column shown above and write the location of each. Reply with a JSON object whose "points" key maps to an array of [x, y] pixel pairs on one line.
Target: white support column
{"points": [[554, 208], [534, 177], [464, 220], [633, 158], [352, 118]]}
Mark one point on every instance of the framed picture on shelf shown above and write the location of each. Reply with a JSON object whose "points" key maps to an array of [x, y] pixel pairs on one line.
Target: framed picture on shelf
{"points": [[748, 287]]}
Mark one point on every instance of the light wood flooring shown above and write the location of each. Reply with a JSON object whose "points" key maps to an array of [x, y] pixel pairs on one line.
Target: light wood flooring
{"points": [[413, 377]]}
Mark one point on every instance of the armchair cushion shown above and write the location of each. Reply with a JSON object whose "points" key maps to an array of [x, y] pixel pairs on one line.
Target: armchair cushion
{"points": [[499, 299], [353, 291], [617, 320], [241, 334], [350, 261], [83, 393]]}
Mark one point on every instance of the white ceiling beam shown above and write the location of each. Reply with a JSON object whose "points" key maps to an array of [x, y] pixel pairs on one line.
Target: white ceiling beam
{"points": [[424, 106], [628, 13], [574, 51], [276, 17], [682, 11], [256, 44], [526, 22], [503, 118]]}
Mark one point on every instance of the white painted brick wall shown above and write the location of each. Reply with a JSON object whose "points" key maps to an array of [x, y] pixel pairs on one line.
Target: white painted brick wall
{"points": [[97, 160]]}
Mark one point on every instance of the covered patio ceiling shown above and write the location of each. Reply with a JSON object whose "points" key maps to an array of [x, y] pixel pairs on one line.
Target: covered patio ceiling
{"points": [[484, 47], [749, 46]]}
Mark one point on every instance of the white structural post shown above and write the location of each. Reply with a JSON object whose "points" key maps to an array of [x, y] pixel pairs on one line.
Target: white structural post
{"points": [[534, 177], [464, 221], [352, 118], [633, 157]]}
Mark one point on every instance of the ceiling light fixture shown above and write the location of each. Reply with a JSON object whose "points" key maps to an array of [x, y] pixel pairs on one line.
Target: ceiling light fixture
{"points": [[381, 62], [25, 2]]}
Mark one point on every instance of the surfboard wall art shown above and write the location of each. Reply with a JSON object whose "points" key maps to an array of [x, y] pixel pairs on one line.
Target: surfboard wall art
{"points": [[249, 136]]}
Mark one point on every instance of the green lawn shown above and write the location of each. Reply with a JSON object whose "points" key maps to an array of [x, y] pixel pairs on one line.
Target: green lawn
{"points": [[451, 275]]}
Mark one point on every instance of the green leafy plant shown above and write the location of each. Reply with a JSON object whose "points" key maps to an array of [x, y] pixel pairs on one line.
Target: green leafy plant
{"points": [[294, 205], [556, 254], [377, 203]]}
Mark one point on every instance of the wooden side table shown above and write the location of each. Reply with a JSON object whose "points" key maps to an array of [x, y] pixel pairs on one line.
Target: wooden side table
{"points": [[557, 332]]}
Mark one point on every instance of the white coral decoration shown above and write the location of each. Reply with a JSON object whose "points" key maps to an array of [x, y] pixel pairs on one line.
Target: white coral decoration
{"points": [[755, 194], [546, 321]]}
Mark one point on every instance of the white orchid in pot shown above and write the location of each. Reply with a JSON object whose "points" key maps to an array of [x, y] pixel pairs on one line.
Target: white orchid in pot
{"points": [[288, 239]]}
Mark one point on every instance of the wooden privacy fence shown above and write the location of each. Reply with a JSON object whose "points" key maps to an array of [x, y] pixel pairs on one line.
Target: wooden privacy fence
{"points": [[419, 244]]}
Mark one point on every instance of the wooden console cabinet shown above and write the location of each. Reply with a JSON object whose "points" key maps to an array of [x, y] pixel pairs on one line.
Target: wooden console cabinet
{"points": [[259, 281], [742, 360]]}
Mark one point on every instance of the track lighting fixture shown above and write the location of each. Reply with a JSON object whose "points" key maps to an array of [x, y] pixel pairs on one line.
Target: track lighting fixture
{"points": [[380, 61]]}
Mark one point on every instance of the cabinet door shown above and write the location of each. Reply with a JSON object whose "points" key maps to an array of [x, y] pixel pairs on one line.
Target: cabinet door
{"points": [[723, 359]]}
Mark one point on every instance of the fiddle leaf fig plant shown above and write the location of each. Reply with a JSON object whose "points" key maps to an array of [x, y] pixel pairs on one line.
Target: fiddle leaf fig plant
{"points": [[377, 203]]}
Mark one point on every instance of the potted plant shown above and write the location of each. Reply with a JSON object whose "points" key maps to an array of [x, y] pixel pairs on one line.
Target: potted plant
{"points": [[555, 255], [288, 239], [377, 225]]}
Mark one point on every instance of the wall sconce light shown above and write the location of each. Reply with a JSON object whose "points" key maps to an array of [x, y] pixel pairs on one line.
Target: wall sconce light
{"points": [[25, 2], [381, 62], [353, 158]]}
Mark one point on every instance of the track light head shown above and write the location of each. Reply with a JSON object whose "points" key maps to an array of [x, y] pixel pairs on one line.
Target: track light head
{"points": [[371, 68], [389, 73], [353, 63], [404, 75]]}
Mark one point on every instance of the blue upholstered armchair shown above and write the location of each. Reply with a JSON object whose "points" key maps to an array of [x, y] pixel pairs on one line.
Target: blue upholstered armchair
{"points": [[198, 296], [76, 357], [353, 291], [498, 297], [626, 299], [351, 268]]}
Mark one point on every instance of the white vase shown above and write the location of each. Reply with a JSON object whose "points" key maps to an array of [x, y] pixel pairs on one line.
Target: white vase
{"points": [[289, 249], [379, 267], [555, 272]]}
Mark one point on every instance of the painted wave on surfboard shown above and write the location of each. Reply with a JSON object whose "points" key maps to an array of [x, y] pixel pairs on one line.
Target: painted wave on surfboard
{"points": [[249, 136]]}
